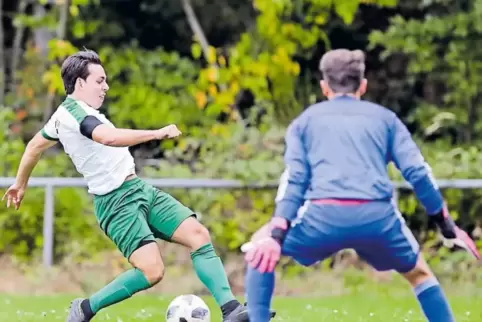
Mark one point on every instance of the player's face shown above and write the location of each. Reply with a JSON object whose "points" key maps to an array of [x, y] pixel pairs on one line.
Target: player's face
{"points": [[95, 87]]}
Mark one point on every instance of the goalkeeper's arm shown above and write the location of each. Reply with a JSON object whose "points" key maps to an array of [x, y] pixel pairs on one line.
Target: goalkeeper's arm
{"points": [[293, 182], [409, 160], [416, 171]]}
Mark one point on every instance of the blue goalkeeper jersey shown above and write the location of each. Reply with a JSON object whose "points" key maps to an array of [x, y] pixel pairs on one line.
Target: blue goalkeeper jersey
{"points": [[340, 149]]}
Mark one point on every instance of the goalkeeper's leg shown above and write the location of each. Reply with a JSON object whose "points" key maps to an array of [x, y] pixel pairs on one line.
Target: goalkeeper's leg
{"points": [[389, 244], [306, 244], [429, 293], [259, 292]]}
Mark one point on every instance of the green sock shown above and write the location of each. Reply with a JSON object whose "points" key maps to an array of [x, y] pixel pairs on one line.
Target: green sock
{"points": [[210, 270], [124, 286]]}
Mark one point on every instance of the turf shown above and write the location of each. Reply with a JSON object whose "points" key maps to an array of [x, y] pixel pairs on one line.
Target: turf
{"points": [[378, 305]]}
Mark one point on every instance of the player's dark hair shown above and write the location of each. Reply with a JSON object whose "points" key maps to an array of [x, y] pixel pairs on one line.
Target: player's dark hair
{"points": [[77, 66], [343, 70]]}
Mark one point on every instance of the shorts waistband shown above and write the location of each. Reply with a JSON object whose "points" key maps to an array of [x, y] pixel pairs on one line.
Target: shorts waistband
{"points": [[130, 181], [341, 202]]}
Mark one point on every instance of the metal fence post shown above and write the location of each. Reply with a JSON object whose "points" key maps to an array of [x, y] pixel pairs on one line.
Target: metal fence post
{"points": [[48, 229]]}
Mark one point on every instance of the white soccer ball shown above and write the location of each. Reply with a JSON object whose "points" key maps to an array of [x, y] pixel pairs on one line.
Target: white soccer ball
{"points": [[188, 308]]}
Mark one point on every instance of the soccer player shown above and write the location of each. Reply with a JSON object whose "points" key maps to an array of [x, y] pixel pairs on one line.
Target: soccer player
{"points": [[336, 193], [131, 212]]}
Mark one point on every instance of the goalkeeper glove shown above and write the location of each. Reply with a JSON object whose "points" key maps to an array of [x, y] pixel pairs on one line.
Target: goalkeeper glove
{"points": [[453, 234], [265, 253]]}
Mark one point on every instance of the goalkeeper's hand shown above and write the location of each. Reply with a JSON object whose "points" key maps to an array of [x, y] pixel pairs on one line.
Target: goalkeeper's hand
{"points": [[264, 253], [453, 234]]}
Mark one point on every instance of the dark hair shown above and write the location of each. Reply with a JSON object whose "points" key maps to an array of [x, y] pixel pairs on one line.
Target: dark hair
{"points": [[77, 65], [343, 69]]}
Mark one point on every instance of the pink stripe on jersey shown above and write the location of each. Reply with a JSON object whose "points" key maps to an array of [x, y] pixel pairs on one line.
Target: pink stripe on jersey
{"points": [[341, 202]]}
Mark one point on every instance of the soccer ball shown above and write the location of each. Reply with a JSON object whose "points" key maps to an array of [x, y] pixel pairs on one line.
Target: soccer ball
{"points": [[188, 308]]}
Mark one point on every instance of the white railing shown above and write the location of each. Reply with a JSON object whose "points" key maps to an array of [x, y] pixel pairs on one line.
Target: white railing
{"points": [[50, 183]]}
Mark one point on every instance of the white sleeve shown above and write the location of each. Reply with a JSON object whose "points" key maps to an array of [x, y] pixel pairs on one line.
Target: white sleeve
{"points": [[49, 131]]}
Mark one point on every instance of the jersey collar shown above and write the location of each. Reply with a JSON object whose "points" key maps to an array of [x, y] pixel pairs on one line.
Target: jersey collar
{"points": [[70, 99], [344, 97]]}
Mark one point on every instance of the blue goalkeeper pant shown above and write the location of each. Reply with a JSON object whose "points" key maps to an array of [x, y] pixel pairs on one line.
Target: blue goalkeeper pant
{"points": [[376, 230]]}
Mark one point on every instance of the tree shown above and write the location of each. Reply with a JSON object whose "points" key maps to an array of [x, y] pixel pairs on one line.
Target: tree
{"points": [[442, 48]]}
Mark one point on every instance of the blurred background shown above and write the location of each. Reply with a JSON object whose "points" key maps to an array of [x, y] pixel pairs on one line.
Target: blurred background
{"points": [[231, 74]]}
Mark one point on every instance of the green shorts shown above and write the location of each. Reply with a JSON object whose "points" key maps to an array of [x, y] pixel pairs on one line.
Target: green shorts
{"points": [[137, 212]]}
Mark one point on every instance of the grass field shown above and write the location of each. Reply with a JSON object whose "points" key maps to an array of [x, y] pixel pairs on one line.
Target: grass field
{"points": [[378, 304]]}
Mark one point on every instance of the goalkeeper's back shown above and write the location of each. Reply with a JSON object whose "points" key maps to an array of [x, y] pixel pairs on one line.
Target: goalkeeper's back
{"points": [[340, 148], [348, 144]]}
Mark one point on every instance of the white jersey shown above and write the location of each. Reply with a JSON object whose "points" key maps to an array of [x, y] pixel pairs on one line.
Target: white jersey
{"points": [[105, 168]]}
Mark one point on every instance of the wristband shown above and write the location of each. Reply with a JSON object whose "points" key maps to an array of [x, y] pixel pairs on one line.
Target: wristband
{"points": [[279, 230], [279, 235]]}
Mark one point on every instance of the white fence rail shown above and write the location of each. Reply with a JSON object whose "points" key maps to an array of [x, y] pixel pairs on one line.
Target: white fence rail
{"points": [[50, 183]]}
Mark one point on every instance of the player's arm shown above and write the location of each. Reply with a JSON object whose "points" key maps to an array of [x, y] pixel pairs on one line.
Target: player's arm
{"points": [[33, 152], [265, 253], [94, 129], [29, 160], [44, 139], [409, 160], [296, 178]]}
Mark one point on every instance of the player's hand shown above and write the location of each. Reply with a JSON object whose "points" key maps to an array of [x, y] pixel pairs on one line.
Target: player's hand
{"points": [[170, 131], [264, 255], [445, 223], [14, 195], [264, 251], [453, 235]]}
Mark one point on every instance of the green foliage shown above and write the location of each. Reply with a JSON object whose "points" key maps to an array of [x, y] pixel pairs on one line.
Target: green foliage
{"points": [[265, 59], [150, 89], [443, 50]]}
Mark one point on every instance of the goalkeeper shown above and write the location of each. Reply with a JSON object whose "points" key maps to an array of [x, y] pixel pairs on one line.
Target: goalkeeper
{"points": [[131, 212], [336, 193]]}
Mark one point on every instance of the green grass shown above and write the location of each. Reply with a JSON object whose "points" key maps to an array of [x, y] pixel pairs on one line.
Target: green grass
{"points": [[378, 304]]}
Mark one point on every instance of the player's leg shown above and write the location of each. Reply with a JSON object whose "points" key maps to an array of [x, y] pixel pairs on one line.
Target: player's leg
{"points": [[259, 289], [147, 271], [395, 247], [259, 286], [121, 215], [207, 264], [172, 221], [305, 243], [429, 293]]}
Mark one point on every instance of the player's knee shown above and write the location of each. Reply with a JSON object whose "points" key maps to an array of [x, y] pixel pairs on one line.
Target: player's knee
{"points": [[419, 274], [154, 273], [147, 259], [199, 236], [153, 269], [192, 233]]}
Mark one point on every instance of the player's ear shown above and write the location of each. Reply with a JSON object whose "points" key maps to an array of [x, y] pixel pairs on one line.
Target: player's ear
{"points": [[325, 89], [80, 82], [363, 87]]}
